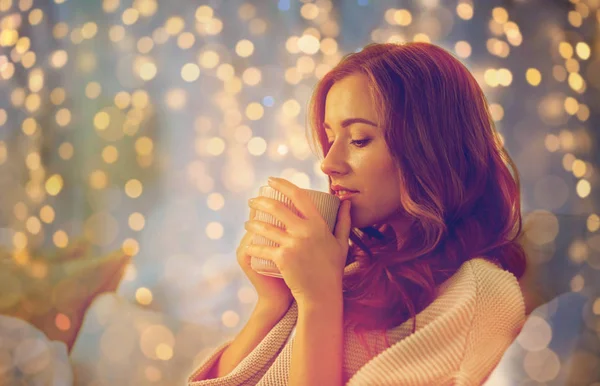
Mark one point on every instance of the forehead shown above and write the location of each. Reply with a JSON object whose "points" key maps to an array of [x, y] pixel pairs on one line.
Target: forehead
{"points": [[349, 98]]}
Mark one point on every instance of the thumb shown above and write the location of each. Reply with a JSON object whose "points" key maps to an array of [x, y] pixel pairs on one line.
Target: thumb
{"points": [[344, 223]]}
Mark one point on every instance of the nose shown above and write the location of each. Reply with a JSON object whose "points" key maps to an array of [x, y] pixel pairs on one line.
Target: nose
{"points": [[335, 162]]}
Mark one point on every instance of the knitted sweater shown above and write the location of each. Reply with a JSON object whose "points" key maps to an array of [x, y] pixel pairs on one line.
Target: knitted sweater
{"points": [[460, 338]]}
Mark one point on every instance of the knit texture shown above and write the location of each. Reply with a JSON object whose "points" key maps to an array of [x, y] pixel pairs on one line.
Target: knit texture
{"points": [[459, 340]]}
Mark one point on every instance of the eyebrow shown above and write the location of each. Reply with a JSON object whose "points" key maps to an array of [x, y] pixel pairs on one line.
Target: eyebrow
{"points": [[349, 121]]}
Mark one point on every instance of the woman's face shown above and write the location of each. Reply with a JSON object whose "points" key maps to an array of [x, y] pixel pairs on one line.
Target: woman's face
{"points": [[365, 166]]}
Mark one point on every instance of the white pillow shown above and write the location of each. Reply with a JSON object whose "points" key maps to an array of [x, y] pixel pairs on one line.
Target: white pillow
{"points": [[28, 357]]}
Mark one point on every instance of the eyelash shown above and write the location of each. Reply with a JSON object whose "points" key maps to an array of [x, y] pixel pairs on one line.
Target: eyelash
{"points": [[358, 143]]}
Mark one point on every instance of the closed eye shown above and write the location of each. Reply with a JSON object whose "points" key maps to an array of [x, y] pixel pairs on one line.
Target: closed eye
{"points": [[358, 143]]}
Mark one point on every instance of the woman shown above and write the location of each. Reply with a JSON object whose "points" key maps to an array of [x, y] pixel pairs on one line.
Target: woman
{"points": [[427, 291]]}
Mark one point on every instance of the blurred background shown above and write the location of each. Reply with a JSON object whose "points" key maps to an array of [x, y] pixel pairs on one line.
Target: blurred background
{"points": [[132, 134]]}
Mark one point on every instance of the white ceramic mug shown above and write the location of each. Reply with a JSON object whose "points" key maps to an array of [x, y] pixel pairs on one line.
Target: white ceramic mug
{"points": [[327, 205]]}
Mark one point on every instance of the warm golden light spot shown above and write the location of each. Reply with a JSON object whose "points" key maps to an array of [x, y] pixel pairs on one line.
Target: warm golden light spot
{"points": [[110, 154], [130, 247], [254, 111], [215, 201], [32, 102], [144, 146], [54, 184], [500, 15], [583, 50], [565, 50], [136, 221], [233, 85], [576, 82], [89, 30], [230, 318], [59, 58], [402, 17], [122, 100], [145, 45], [116, 33], [60, 30], [257, 26], [28, 59], [291, 108], [208, 59], [291, 44], [17, 97], [29, 126], [215, 146], [252, 76], [578, 168], [152, 374], [308, 44], [584, 188], [462, 49], [110, 6], [571, 105], [577, 283], [533, 76], [65, 150], [19, 240], [421, 37], [583, 113], [464, 11], [593, 222], [140, 99], [190, 72], [146, 8], [552, 143], [3, 152], [186, 40], [164, 351], [60, 239], [3, 117], [174, 25], [47, 214], [214, 230], [204, 14], [62, 322], [176, 99], [101, 120], [225, 72], [33, 225], [309, 11], [244, 48], [133, 188], [575, 19], [305, 64], [497, 111], [98, 179], [130, 16], [36, 16], [23, 44], [143, 296], [63, 117], [93, 90], [147, 70], [257, 146], [33, 160], [20, 210]]}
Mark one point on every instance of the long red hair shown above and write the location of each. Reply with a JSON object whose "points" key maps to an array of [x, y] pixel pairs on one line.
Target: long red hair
{"points": [[456, 184]]}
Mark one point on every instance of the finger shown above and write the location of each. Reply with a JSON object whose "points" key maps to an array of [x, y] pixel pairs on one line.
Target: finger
{"points": [[252, 213], [343, 225], [282, 213], [266, 252], [271, 232]]}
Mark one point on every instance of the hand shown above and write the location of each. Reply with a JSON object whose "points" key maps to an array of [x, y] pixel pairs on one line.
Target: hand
{"points": [[271, 291], [310, 258]]}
